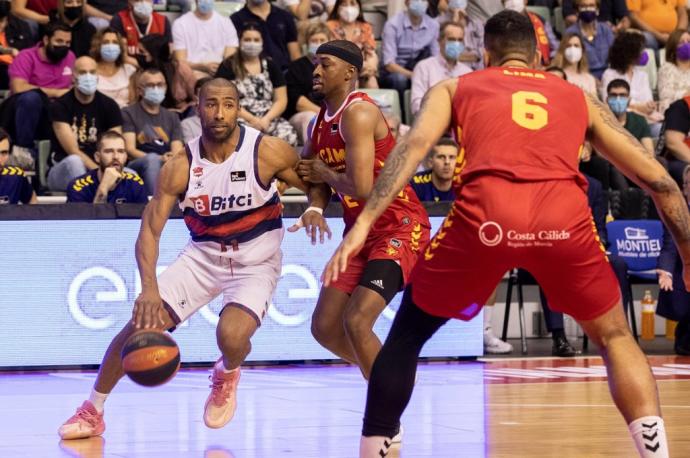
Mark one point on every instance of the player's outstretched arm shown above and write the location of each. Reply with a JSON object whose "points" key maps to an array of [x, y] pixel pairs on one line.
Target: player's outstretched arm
{"points": [[172, 182], [281, 160], [432, 121], [618, 146]]}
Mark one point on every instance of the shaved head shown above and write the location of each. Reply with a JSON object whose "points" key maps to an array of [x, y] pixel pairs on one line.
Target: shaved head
{"points": [[218, 84]]}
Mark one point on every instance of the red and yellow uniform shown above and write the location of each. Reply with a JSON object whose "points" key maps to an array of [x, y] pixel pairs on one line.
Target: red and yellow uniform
{"points": [[401, 232], [521, 201]]}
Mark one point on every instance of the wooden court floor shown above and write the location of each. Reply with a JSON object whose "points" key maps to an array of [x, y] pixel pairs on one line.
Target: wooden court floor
{"points": [[505, 408]]}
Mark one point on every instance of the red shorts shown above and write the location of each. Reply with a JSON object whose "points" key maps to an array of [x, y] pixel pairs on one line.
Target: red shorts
{"points": [[403, 245], [497, 225]]}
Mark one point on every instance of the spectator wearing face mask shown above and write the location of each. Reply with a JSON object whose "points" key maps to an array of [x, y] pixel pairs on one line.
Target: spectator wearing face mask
{"points": [[613, 13], [626, 58], [446, 65], [71, 13], [618, 99], [203, 38], [408, 37], [674, 74], [547, 43], [153, 51], [596, 36], [152, 133], [37, 75], [277, 28], [78, 118], [571, 59], [303, 104], [139, 20], [113, 72], [346, 22], [261, 85], [456, 11]]}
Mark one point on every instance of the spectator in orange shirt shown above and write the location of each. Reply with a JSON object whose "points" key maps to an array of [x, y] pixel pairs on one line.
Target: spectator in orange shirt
{"points": [[658, 18]]}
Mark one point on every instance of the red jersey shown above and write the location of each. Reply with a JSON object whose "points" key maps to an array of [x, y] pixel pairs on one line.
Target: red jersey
{"points": [[328, 143], [519, 124]]}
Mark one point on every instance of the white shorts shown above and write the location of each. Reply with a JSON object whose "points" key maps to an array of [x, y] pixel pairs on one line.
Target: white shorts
{"points": [[196, 278]]}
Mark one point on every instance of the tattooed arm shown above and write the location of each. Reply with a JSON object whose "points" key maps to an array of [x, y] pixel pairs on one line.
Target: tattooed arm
{"points": [[618, 146], [431, 123]]}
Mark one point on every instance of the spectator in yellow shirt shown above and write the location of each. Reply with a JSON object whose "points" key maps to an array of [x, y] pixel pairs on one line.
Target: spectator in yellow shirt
{"points": [[658, 18]]}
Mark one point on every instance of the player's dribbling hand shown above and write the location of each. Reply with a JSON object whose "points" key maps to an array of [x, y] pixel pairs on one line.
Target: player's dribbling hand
{"points": [[148, 311], [349, 247], [314, 224]]}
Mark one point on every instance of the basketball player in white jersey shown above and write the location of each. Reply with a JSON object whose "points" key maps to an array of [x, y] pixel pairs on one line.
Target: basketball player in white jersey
{"points": [[225, 184]]}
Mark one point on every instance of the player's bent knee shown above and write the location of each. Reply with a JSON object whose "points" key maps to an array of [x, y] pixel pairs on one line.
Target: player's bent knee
{"points": [[357, 322]]}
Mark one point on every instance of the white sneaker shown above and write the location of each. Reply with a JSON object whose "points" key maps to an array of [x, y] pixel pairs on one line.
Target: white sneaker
{"points": [[495, 346], [222, 402], [374, 447]]}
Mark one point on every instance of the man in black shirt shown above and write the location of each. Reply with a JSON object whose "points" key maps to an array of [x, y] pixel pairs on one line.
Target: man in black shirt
{"points": [[277, 26], [675, 138], [78, 118]]}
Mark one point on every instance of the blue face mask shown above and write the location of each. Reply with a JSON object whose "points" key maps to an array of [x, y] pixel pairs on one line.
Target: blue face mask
{"points": [[311, 49], [87, 83], [110, 52], [143, 9], [453, 49], [618, 104], [457, 4], [205, 6], [154, 95], [418, 7]]}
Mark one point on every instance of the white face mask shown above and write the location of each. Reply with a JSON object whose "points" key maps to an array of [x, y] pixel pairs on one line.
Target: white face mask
{"points": [[515, 5], [251, 48], [573, 54], [348, 13]]}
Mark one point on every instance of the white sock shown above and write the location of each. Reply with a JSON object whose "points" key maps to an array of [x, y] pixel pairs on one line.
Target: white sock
{"points": [[374, 446], [221, 367], [649, 435], [98, 400], [488, 311]]}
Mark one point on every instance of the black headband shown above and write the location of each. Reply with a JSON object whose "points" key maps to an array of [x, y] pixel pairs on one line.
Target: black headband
{"points": [[353, 58]]}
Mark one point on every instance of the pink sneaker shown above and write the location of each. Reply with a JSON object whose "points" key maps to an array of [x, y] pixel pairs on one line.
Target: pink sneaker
{"points": [[222, 402], [87, 422]]}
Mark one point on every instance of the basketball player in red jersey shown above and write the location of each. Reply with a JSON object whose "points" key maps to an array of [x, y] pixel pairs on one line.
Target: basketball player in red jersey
{"points": [[349, 143], [521, 202]]}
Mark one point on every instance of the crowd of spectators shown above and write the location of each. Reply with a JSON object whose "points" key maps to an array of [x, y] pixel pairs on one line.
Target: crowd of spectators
{"points": [[73, 70]]}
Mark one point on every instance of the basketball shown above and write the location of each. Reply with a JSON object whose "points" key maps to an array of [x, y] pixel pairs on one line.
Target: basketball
{"points": [[150, 358]]}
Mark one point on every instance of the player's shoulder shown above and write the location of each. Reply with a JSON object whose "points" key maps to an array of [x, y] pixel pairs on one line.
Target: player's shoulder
{"points": [[423, 177], [82, 182], [12, 171]]}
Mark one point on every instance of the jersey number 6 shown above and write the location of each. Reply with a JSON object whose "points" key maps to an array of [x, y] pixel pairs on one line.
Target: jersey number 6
{"points": [[527, 110]]}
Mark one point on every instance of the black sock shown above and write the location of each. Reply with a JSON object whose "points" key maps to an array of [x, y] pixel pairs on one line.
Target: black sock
{"points": [[557, 334]]}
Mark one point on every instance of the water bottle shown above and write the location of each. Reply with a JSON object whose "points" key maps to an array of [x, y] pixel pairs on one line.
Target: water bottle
{"points": [[671, 329], [648, 309]]}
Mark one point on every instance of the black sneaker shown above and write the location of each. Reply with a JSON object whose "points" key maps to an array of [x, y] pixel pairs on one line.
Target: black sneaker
{"points": [[561, 347]]}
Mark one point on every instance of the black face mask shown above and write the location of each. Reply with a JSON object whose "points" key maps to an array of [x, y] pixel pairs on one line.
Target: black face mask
{"points": [[56, 53], [73, 12]]}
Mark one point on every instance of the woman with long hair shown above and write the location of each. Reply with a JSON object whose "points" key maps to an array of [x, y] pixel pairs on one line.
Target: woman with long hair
{"points": [[674, 75], [346, 22], [261, 84], [573, 60], [154, 51], [108, 50]]}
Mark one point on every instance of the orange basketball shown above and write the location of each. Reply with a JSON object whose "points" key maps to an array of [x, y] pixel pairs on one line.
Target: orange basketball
{"points": [[150, 357]]}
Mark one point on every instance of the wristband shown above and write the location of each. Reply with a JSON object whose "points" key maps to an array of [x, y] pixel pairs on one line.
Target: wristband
{"points": [[316, 209]]}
